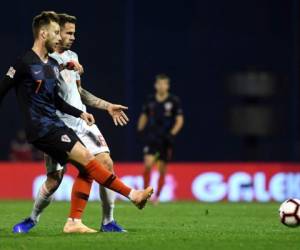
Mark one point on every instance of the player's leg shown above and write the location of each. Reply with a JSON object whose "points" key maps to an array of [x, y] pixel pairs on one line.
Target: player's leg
{"points": [[149, 161], [82, 156], [44, 196], [96, 144], [108, 199], [107, 196], [162, 169], [150, 158], [165, 155], [79, 197]]}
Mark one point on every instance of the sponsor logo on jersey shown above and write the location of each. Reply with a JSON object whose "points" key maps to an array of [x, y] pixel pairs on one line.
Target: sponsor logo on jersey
{"points": [[11, 72], [65, 138]]}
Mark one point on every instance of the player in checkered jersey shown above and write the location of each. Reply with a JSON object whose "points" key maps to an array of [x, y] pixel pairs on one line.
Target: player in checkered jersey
{"points": [[72, 92]]}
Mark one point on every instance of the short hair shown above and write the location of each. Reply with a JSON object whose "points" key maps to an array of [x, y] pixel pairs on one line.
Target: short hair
{"points": [[162, 77], [65, 18], [44, 18]]}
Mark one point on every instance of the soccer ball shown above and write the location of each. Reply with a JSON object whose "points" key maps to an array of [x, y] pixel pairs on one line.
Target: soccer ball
{"points": [[289, 212]]}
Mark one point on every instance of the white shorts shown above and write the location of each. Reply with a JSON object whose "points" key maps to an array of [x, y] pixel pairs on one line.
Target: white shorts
{"points": [[93, 141]]}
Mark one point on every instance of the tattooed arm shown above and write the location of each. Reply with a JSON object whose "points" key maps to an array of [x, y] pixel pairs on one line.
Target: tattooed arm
{"points": [[91, 100], [116, 111]]}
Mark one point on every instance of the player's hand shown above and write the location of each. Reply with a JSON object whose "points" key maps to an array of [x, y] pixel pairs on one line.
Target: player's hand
{"points": [[88, 118], [117, 113], [76, 66]]}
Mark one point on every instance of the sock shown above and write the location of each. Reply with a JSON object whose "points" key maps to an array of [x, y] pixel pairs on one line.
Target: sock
{"points": [[42, 200], [161, 182], [146, 176], [80, 195], [74, 220], [106, 178], [108, 204]]}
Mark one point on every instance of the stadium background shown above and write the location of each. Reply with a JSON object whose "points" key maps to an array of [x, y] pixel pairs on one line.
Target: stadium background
{"points": [[203, 46]]}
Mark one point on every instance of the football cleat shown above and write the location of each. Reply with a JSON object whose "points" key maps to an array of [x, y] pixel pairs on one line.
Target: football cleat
{"points": [[141, 197], [24, 226], [76, 226], [112, 227]]}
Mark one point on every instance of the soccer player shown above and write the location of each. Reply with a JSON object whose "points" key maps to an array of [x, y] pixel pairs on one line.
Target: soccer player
{"points": [[35, 78], [160, 121], [73, 93]]}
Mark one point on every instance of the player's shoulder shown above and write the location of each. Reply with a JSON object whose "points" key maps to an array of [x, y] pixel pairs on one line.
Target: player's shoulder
{"points": [[71, 54], [174, 98], [150, 98], [28, 57], [24, 61], [53, 61]]}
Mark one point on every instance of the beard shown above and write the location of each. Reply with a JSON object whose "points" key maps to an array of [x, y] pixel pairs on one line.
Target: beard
{"points": [[49, 46], [66, 46]]}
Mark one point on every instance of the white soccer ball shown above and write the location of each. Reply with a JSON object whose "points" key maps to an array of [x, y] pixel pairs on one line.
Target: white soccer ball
{"points": [[289, 212]]}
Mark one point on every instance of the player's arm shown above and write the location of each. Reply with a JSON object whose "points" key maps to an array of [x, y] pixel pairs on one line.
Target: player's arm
{"points": [[64, 107], [116, 111], [90, 100], [179, 121], [143, 118], [142, 121], [7, 83]]}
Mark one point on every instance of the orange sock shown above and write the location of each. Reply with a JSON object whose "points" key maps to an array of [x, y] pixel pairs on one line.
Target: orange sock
{"points": [[161, 182], [146, 177], [80, 195], [106, 178]]}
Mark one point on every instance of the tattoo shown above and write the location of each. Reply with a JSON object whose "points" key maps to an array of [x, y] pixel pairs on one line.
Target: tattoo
{"points": [[91, 100]]}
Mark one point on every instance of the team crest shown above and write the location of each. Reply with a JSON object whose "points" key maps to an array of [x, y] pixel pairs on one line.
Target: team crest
{"points": [[168, 106], [65, 138]]}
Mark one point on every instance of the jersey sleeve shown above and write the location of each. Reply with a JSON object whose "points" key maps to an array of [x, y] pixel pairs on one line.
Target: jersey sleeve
{"points": [[10, 79], [76, 58], [64, 107]]}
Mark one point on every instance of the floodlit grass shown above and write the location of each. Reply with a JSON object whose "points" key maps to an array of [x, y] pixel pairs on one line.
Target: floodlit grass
{"points": [[180, 225]]}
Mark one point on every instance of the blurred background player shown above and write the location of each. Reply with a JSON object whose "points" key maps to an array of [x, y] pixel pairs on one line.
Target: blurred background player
{"points": [[160, 121], [72, 92]]}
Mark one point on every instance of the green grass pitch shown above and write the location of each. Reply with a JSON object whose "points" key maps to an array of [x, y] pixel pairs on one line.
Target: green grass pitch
{"points": [[180, 225]]}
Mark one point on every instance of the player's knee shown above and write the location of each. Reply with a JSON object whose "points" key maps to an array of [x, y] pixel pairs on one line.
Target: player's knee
{"points": [[108, 163], [148, 163], [87, 155]]}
